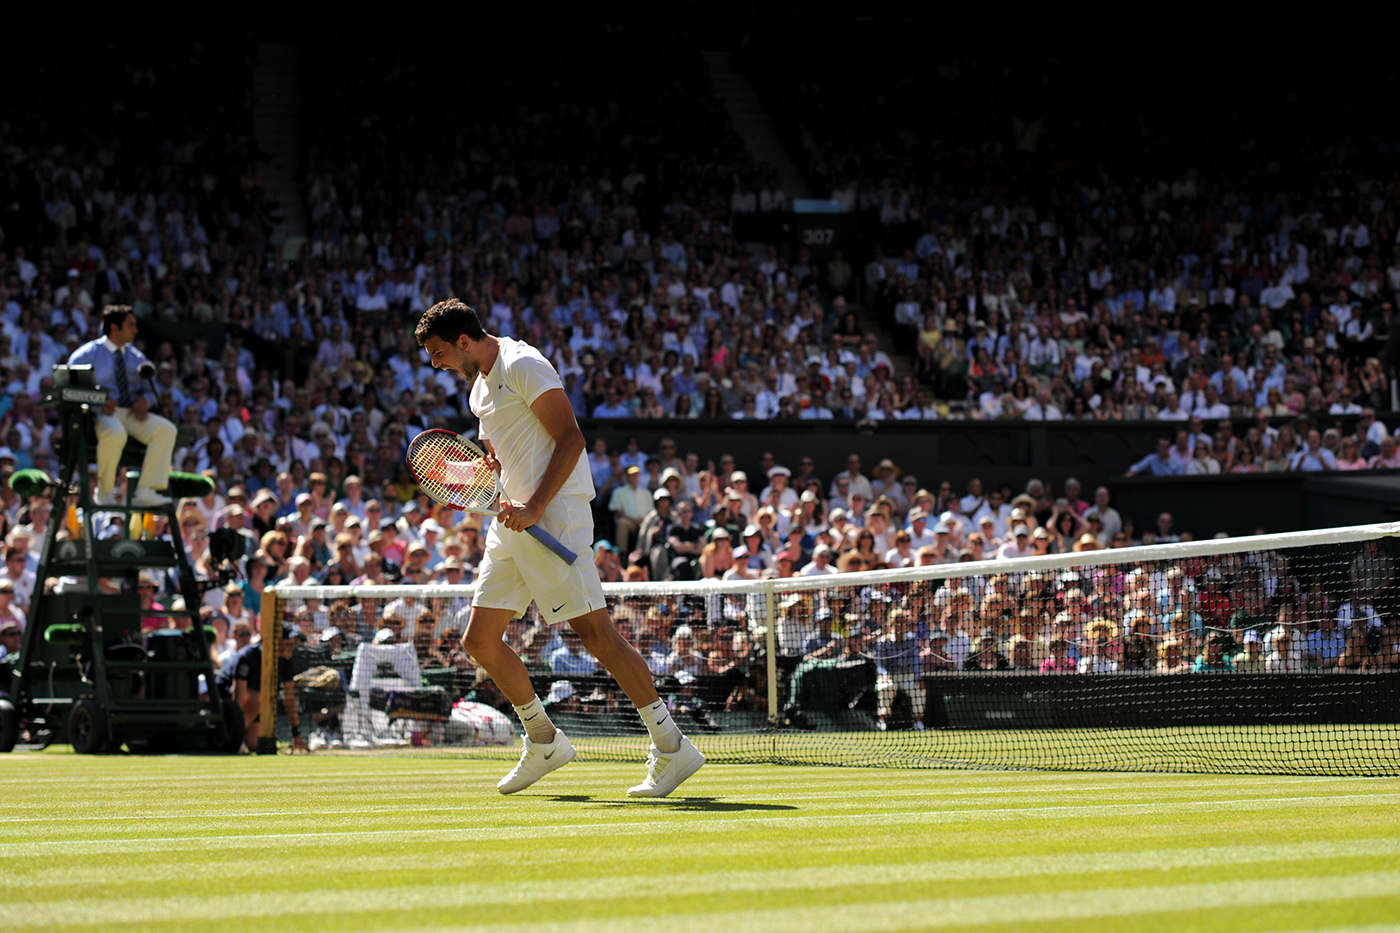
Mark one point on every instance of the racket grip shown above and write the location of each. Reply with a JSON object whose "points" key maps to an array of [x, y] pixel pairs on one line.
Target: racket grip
{"points": [[549, 541]]}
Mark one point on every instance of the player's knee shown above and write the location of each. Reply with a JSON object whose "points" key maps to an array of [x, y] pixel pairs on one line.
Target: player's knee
{"points": [[479, 644]]}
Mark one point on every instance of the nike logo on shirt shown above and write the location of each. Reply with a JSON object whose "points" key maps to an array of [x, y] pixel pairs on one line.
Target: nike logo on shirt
{"points": [[558, 607]]}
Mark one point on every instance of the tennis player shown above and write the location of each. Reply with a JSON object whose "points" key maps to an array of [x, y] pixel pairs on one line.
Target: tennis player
{"points": [[530, 436]]}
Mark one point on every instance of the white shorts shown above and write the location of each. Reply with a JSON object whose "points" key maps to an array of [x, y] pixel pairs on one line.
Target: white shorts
{"points": [[517, 569]]}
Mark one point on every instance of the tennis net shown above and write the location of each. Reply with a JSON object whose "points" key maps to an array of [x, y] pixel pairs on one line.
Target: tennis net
{"points": [[1265, 654]]}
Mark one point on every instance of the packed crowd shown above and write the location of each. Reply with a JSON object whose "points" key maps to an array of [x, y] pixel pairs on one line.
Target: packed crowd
{"points": [[615, 237]]}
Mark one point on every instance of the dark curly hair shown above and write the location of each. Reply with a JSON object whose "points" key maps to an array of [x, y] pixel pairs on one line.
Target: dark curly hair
{"points": [[448, 320]]}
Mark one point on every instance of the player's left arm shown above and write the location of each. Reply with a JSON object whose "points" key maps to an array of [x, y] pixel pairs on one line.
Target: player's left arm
{"points": [[557, 416]]}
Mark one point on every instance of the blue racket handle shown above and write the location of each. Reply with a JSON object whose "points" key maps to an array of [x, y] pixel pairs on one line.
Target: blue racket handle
{"points": [[549, 541]]}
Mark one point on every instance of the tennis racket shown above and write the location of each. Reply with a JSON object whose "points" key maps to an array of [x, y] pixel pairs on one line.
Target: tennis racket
{"points": [[454, 471]]}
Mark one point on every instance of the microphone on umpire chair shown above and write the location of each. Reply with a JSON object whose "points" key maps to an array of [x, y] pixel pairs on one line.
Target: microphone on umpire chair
{"points": [[147, 371]]}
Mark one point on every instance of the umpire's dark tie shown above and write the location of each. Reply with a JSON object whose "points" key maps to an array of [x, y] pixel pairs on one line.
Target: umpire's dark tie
{"points": [[123, 379]]}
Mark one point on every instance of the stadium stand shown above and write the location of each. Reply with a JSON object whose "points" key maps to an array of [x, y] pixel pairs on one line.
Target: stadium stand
{"points": [[624, 229]]}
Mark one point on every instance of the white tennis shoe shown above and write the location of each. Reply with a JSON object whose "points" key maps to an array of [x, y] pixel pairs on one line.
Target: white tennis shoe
{"points": [[666, 770], [536, 761]]}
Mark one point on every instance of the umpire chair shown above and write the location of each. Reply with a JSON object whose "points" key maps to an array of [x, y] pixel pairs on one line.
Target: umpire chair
{"points": [[86, 671]]}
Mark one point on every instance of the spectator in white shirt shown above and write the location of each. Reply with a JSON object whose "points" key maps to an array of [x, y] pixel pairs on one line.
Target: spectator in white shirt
{"points": [[1019, 546]]}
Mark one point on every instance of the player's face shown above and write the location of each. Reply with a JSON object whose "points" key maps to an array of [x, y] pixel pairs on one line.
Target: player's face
{"points": [[455, 357]]}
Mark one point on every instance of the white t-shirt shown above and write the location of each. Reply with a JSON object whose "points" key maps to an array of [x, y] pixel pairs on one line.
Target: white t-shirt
{"points": [[501, 399]]}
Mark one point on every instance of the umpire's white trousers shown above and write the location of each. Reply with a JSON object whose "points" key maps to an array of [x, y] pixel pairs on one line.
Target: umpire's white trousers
{"points": [[155, 432]]}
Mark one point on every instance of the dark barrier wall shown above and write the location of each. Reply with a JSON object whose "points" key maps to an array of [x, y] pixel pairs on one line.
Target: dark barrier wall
{"points": [[932, 450], [1067, 701], [1014, 452]]}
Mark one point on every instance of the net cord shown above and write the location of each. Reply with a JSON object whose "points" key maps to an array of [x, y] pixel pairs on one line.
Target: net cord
{"points": [[1156, 552]]}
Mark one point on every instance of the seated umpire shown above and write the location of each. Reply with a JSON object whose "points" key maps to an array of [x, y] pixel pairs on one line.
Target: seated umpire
{"points": [[116, 363]]}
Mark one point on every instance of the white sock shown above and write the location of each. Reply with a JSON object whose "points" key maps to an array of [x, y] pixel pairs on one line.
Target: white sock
{"points": [[536, 722], [665, 734]]}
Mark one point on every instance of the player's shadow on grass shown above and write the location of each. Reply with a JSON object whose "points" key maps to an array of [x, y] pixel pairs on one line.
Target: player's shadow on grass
{"points": [[707, 804]]}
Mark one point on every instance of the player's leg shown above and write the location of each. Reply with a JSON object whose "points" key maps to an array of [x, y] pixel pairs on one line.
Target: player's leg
{"points": [[672, 758], [501, 595], [484, 642], [626, 665]]}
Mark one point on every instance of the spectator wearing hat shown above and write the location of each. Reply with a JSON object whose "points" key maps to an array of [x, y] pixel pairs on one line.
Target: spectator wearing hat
{"points": [[777, 494], [821, 564], [886, 483], [1018, 546], [753, 554], [630, 503], [651, 536], [748, 504], [11, 634], [430, 536], [452, 571], [410, 522], [943, 550], [824, 642], [842, 532], [717, 556], [728, 515], [302, 516], [379, 542], [264, 508]]}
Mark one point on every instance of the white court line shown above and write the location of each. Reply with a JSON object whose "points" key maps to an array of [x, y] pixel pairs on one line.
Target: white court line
{"points": [[705, 825], [879, 913]]}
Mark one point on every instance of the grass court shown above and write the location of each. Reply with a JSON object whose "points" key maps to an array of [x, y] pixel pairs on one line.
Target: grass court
{"points": [[422, 842]]}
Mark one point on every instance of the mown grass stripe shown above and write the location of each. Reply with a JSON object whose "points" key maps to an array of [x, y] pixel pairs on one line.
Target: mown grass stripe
{"points": [[648, 884], [887, 799], [884, 914], [709, 824]]}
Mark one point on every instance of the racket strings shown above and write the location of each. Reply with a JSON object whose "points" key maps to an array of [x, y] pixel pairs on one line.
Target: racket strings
{"points": [[450, 471]]}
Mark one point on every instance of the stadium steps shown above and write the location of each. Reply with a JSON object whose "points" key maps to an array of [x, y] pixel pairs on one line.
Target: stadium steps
{"points": [[753, 124], [277, 88]]}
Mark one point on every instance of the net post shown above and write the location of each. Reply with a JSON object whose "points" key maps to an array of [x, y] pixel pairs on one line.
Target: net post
{"points": [[269, 623], [770, 638]]}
